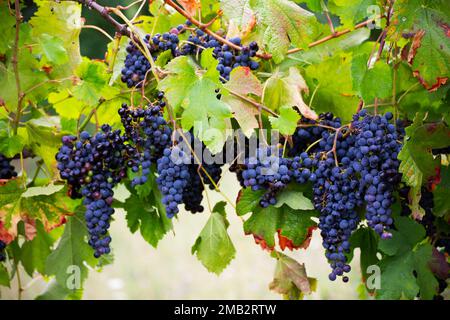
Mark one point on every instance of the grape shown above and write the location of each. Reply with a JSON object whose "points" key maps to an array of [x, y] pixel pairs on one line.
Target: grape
{"points": [[173, 177], [269, 171], [193, 192], [2, 251], [92, 166], [227, 57], [376, 149], [136, 65], [147, 134], [7, 171]]}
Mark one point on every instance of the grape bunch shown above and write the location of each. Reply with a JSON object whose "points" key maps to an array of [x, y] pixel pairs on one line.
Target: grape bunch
{"points": [[267, 170], [173, 177], [2, 251], [228, 57], [147, 134], [377, 147], [92, 166], [136, 65], [7, 171]]}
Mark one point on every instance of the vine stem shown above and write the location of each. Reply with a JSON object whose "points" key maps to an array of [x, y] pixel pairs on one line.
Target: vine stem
{"points": [[104, 12], [15, 62]]}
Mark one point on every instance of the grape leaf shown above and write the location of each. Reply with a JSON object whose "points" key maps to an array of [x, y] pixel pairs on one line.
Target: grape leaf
{"points": [[94, 79], [293, 197], [8, 22], [351, 12], [367, 241], [284, 89], [441, 193], [238, 12], [331, 81], [417, 159], [63, 21], [144, 216], [45, 142], [429, 53], [264, 223], [406, 254], [187, 88], [372, 83], [72, 251], [332, 47], [48, 205], [285, 23], [290, 278], [35, 252], [286, 123], [55, 291], [53, 48], [213, 246], [243, 82], [314, 5], [4, 276]]}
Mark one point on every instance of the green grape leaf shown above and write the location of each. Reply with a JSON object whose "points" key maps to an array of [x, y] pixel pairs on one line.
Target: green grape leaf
{"points": [[45, 142], [144, 216], [10, 146], [332, 47], [367, 241], [293, 197], [8, 22], [440, 194], [372, 83], [331, 81], [406, 254], [4, 276], [429, 53], [67, 261], [213, 246], [65, 104], [293, 226], [417, 161], [284, 23], [290, 278], [61, 21], [351, 12], [185, 87], [314, 5], [247, 201], [35, 252], [94, 78], [55, 291], [243, 82], [284, 89], [53, 48], [238, 12], [286, 123]]}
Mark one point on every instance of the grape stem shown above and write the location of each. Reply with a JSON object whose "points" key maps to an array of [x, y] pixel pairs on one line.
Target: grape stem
{"points": [[104, 12], [14, 62]]}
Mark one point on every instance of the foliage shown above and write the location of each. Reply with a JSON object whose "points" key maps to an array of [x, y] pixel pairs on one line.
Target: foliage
{"points": [[314, 57]]}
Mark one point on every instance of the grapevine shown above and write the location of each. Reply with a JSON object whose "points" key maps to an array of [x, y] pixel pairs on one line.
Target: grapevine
{"points": [[308, 122]]}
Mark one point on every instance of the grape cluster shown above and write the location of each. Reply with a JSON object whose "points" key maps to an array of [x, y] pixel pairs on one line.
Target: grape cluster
{"points": [[348, 167], [147, 134], [7, 171], [92, 166], [227, 57], [136, 65], [2, 251], [377, 147], [267, 170], [173, 177]]}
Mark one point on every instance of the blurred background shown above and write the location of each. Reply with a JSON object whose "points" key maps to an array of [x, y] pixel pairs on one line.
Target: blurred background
{"points": [[170, 272]]}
